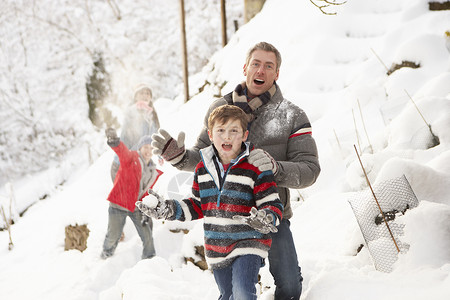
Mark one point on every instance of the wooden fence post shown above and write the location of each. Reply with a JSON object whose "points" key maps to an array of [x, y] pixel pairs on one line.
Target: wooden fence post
{"points": [[223, 14], [184, 50]]}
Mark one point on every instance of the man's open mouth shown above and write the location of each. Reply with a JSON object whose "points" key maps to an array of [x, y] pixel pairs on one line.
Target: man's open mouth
{"points": [[258, 81]]}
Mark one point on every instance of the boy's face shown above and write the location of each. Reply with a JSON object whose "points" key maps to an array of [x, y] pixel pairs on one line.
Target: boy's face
{"points": [[146, 152], [261, 72], [228, 138]]}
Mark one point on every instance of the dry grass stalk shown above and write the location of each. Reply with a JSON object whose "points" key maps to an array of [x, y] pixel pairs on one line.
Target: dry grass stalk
{"points": [[356, 132], [379, 59], [8, 223], [339, 144], [435, 138], [364, 126]]}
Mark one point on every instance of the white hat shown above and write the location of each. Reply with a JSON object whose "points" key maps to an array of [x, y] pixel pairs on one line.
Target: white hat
{"points": [[140, 87]]}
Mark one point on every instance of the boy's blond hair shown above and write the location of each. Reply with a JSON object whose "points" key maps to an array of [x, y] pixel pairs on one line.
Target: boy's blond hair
{"points": [[224, 113]]}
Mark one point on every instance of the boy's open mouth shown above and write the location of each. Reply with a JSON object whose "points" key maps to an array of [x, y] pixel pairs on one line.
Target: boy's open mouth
{"points": [[227, 147]]}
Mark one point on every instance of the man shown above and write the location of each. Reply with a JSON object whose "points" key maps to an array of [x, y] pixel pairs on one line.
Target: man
{"points": [[282, 133]]}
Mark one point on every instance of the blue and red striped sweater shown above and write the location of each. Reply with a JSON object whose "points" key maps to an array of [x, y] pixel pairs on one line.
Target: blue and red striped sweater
{"points": [[244, 187]]}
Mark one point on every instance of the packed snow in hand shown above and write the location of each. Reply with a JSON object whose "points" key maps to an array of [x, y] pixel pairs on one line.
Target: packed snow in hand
{"points": [[150, 201]]}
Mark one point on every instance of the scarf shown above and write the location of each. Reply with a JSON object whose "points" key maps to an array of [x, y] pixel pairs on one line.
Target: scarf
{"points": [[249, 106]]}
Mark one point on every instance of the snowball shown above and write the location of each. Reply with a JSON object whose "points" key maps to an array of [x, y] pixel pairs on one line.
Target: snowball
{"points": [[150, 201]]}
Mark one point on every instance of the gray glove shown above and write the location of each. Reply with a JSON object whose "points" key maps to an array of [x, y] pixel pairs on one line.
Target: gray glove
{"points": [[258, 220], [111, 137], [164, 210], [263, 161], [166, 146]]}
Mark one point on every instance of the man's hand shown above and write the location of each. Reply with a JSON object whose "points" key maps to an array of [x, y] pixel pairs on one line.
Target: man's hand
{"points": [[111, 137], [263, 161], [167, 147], [163, 210], [259, 220]]}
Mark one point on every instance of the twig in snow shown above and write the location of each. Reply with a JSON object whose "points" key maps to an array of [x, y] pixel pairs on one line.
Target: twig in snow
{"points": [[364, 126], [376, 55], [435, 138], [356, 132], [8, 227]]}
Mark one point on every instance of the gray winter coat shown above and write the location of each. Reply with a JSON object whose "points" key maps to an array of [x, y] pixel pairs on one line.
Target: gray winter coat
{"points": [[284, 131]]}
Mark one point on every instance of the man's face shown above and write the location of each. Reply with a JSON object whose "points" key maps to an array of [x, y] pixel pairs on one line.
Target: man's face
{"points": [[261, 72], [228, 138], [146, 152]]}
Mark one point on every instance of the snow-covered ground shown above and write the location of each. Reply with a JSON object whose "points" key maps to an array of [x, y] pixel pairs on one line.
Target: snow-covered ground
{"points": [[334, 67]]}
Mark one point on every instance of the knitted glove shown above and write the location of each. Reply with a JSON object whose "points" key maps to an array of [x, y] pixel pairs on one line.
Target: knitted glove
{"points": [[263, 161], [164, 209], [259, 220], [111, 136], [164, 145]]}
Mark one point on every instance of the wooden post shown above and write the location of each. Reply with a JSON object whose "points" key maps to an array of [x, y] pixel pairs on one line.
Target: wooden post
{"points": [[184, 50], [223, 13], [236, 26]]}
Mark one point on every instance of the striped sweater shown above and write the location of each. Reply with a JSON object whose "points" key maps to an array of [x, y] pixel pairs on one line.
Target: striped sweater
{"points": [[244, 187]]}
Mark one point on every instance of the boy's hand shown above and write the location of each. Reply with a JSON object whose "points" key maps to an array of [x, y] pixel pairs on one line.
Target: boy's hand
{"points": [[263, 161], [111, 136], [166, 146], [163, 209], [259, 220]]}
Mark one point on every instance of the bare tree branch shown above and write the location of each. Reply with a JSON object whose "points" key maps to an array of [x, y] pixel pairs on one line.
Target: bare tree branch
{"points": [[88, 13], [15, 109], [59, 27], [115, 9], [324, 4]]}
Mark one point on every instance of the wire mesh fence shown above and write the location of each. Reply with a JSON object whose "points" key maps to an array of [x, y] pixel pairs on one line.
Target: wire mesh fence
{"points": [[380, 230]]}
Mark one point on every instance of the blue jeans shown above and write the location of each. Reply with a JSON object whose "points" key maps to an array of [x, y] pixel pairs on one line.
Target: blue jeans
{"points": [[283, 264], [237, 281], [116, 222]]}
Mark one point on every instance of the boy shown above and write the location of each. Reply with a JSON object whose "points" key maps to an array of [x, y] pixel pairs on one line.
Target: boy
{"points": [[226, 189], [135, 176]]}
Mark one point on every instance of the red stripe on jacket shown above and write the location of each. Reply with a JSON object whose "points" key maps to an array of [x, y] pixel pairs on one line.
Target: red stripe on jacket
{"points": [[229, 248], [226, 207], [298, 134]]}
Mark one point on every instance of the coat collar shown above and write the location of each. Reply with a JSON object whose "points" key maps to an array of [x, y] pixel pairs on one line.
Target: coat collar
{"points": [[208, 155]]}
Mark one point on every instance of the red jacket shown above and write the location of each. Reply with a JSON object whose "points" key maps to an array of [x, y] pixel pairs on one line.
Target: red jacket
{"points": [[125, 191]]}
